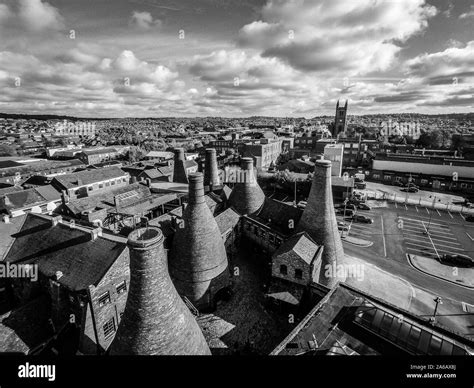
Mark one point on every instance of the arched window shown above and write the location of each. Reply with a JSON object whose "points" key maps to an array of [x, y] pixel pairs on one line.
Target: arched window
{"points": [[298, 274]]}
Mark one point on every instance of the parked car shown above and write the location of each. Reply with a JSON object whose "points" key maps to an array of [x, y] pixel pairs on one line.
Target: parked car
{"points": [[360, 185], [364, 206], [344, 227], [362, 219], [470, 218], [409, 189], [457, 259], [398, 183]]}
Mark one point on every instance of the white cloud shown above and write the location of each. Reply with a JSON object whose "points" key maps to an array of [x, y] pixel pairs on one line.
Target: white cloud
{"points": [[468, 14], [356, 37], [37, 15], [144, 20]]}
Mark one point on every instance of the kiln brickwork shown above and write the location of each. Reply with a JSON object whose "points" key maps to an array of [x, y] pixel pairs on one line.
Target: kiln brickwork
{"points": [[199, 266], [156, 321], [319, 220], [247, 197]]}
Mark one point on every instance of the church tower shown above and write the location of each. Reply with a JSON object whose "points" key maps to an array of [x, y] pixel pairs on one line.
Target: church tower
{"points": [[340, 119]]}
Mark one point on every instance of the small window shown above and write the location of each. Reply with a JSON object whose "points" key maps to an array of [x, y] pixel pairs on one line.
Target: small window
{"points": [[283, 269], [124, 180], [104, 299], [435, 346], [107, 184], [112, 183], [101, 185], [89, 188], [298, 273], [122, 287], [109, 328]]}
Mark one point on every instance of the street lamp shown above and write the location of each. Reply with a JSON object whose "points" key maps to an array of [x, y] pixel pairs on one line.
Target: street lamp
{"points": [[438, 301]]}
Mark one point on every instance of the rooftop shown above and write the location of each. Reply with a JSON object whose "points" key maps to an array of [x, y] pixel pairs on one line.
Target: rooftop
{"points": [[87, 177], [70, 250], [356, 322]]}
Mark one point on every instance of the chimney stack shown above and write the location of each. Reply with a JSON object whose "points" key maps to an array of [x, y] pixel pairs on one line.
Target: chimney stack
{"points": [[199, 266], [247, 197], [155, 321], [179, 170], [211, 174], [319, 220]]}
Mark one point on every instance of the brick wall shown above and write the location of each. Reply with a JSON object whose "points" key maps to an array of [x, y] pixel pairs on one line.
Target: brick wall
{"points": [[96, 315]]}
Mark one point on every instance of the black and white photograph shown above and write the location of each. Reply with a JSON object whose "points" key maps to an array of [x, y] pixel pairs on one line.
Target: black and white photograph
{"points": [[248, 180]]}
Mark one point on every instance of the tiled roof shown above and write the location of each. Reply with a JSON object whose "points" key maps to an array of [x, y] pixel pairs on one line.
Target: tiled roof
{"points": [[89, 176], [277, 215], [228, 219], [100, 151], [300, 246], [82, 261], [106, 200], [48, 192], [29, 197]]}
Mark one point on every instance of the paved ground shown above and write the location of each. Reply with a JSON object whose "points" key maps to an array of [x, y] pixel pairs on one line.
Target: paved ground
{"points": [[398, 230], [244, 325]]}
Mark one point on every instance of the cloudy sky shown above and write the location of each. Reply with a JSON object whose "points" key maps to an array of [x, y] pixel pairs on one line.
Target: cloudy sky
{"points": [[235, 58]]}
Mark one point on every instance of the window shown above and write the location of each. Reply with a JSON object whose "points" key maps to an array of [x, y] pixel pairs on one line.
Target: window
{"points": [[101, 185], [109, 328], [107, 184], [298, 273], [283, 269], [89, 188], [112, 183], [104, 299], [121, 288], [124, 180], [413, 338], [435, 345]]}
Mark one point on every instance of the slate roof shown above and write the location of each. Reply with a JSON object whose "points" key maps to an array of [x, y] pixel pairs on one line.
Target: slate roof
{"points": [[9, 189], [89, 176], [30, 197], [228, 219], [99, 151], [299, 247], [277, 215], [82, 261], [23, 329], [106, 199]]}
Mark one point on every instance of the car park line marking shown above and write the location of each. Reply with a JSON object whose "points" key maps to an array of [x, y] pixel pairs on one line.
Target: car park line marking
{"points": [[416, 209], [435, 235], [430, 238], [437, 211], [411, 219], [468, 235], [450, 214], [427, 210], [464, 218], [439, 233], [406, 209], [448, 244], [422, 252], [383, 238]]}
